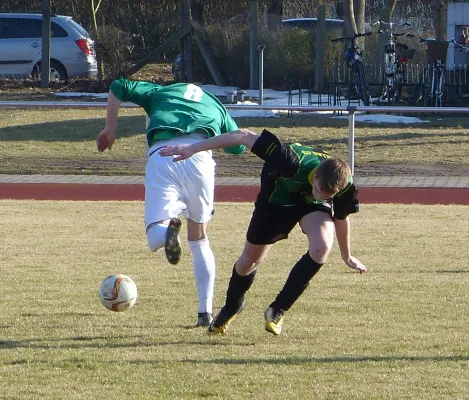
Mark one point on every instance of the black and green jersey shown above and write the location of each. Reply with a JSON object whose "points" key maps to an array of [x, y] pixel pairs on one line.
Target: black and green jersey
{"points": [[176, 109], [288, 176]]}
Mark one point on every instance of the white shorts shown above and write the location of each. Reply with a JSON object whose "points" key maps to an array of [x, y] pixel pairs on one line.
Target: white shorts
{"points": [[186, 187]]}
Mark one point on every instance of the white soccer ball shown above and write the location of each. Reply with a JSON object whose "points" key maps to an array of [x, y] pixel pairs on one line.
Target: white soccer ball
{"points": [[118, 292]]}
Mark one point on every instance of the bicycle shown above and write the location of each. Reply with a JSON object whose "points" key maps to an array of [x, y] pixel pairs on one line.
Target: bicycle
{"points": [[460, 46], [394, 64], [435, 72], [354, 59]]}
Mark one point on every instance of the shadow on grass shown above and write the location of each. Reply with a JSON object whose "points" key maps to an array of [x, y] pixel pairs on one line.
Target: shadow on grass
{"points": [[87, 129], [108, 342], [332, 360], [71, 130], [452, 271], [406, 138]]}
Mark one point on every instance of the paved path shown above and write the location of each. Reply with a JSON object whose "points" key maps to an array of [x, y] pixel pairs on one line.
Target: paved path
{"points": [[373, 181], [383, 189]]}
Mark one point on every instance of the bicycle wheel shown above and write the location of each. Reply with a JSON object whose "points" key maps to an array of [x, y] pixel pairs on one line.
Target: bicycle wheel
{"points": [[398, 83], [439, 88], [361, 83], [390, 89]]}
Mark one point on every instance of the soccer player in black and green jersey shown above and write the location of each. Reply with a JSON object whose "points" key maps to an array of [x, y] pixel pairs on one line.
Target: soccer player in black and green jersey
{"points": [[178, 114], [298, 185]]}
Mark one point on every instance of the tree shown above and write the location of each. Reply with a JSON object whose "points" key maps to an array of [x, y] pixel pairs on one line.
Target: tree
{"points": [[94, 10], [354, 16]]}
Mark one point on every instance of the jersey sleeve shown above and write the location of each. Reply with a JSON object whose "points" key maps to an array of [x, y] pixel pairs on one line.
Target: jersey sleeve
{"points": [[137, 92], [229, 126], [278, 155], [346, 202]]}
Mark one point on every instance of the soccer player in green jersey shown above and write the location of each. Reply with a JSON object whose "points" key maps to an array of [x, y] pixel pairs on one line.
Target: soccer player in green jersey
{"points": [[299, 184], [181, 113]]}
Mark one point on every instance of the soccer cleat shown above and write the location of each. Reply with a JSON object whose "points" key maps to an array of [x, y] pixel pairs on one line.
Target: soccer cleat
{"points": [[172, 247], [273, 320], [222, 321], [204, 319]]}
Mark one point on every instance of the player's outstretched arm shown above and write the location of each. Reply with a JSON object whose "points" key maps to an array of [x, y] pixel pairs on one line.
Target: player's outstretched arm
{"points": [[107, 136], [342, 230], [240, 136]]}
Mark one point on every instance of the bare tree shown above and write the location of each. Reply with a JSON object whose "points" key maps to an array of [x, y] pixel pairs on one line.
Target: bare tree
{"points": [[94, 10], [353, 11], [354, 16], [387, 11]]}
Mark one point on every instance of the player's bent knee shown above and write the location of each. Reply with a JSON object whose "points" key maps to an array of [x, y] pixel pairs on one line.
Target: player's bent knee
{"points": [[156, 236], [319, 253], [245, 267]]}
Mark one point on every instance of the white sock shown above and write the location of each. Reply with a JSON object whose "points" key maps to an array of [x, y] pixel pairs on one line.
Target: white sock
{"points": [[156, 236], [204, 273]]}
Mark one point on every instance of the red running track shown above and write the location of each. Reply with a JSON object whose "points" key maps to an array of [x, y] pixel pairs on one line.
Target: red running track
{"points": [[93, 192]]}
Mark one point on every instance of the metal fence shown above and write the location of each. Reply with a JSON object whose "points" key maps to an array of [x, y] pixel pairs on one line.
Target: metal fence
{"points": [[20, 49]]}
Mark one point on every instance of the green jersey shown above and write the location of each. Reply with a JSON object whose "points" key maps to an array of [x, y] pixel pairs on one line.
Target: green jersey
{"points": [[180, 108]]}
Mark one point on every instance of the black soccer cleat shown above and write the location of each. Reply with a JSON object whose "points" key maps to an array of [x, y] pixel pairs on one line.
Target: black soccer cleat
{"points": [[222, 321], [172, 247], [204, 319]]}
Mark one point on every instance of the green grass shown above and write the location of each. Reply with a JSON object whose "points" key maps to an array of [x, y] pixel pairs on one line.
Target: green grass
{"points": [[397, 332], [62, 141]]}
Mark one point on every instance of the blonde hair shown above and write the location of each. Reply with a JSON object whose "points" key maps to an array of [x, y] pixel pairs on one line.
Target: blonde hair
{"points": [[333, 174]]}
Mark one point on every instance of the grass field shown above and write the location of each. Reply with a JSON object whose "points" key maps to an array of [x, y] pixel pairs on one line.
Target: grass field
{"points": [[397, 332], [62, 141]]}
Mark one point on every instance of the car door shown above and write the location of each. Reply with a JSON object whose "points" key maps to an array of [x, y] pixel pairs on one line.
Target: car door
{"points": [[20, 46]]}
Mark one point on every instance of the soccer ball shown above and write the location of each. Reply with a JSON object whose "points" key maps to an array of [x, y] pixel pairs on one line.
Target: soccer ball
{"points": [[118, 292]]}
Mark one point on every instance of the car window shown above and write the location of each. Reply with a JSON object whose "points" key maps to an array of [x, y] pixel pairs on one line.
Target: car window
{"points": [[79, 28], [12, 28], [57, 30]]}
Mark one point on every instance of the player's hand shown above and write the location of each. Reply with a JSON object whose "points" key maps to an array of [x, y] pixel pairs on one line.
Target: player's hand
{"points": [[182, 151], [105, 139], [354, 263]]}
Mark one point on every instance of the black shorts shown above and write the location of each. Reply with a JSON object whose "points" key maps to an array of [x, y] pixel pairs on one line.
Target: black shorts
{"points": [[271, 223]]}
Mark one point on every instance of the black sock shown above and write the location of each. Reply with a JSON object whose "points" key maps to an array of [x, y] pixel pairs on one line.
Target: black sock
{"points": [[238, 286], [297, 282]]}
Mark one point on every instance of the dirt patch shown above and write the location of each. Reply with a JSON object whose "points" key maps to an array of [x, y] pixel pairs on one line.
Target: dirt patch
{"points": [[245, 166]]}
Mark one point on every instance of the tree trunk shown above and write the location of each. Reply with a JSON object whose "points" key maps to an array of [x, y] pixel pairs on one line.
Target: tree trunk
{"points": [[354, 16], [349, 18], [359, 7], [439, 8], [99, 61], [274, 14]]}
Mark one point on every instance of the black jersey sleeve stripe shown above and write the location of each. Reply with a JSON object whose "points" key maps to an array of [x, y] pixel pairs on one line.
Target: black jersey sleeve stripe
{"points": [[347, 203], [279, 156]]}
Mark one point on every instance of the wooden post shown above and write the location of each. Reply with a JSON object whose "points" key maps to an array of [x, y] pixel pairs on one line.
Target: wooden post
{"points": [[320, 49], [45, 61], [186, 43], [254, 43]]}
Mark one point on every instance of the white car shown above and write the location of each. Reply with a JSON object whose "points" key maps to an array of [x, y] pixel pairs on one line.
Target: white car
{"points": [[72, 51]]}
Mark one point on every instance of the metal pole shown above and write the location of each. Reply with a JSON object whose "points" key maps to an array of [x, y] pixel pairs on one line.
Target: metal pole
{"points": [[351, 138], [261, 73]]}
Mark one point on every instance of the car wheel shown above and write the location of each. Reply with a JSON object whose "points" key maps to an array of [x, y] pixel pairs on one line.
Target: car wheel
{"points": [[57, 72]]}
